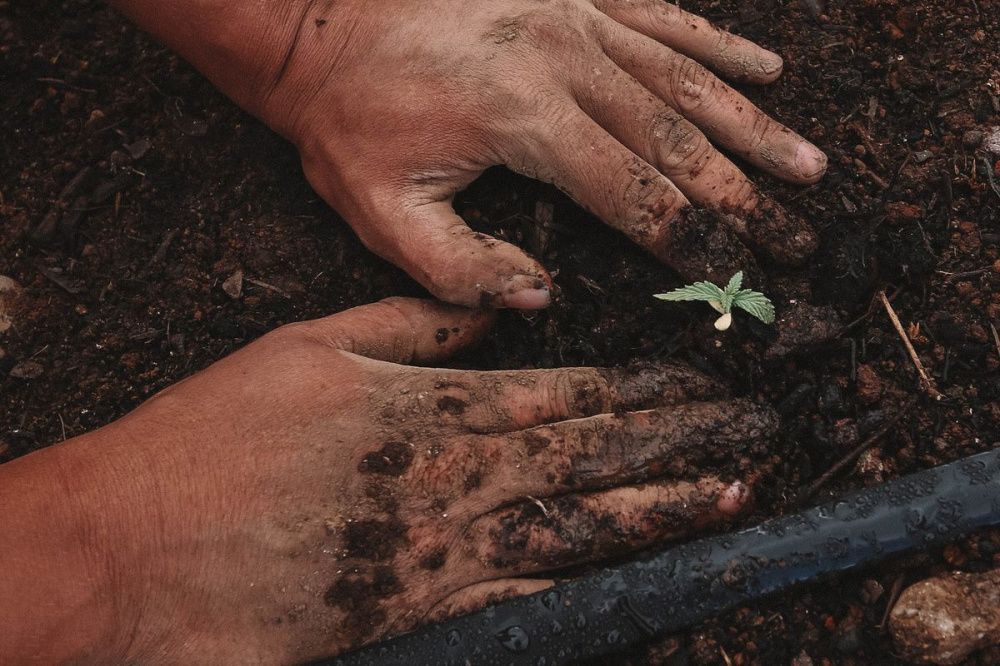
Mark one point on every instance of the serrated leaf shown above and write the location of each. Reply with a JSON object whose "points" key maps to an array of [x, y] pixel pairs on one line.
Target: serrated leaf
{"points": [[755, 303], [735, 283], [699, 291]]}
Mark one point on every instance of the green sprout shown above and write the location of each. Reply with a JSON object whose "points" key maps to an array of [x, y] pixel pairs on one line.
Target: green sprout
{"points": [[723, 300]]}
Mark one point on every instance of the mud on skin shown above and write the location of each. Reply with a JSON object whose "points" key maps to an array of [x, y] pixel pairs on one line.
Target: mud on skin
{"points": [[418, 480], [701, 244]]}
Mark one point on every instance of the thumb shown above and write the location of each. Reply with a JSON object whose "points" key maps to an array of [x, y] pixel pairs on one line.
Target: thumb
{"points": [[453, 262], [402, 330]]}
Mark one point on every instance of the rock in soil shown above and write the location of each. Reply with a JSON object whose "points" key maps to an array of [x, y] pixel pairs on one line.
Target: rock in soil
{"points": [[233, 286], [943, 620], [9, 291], [27, 370]]}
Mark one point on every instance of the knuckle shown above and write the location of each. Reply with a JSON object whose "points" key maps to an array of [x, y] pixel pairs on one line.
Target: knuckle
{"points": [[649, 202], [761, 129], [290, 335], [580, 393], [556, 29], [694, 86], [679, 142]]}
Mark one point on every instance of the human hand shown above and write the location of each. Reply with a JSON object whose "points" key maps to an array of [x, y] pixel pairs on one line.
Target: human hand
{"points": [[301, 498], [397, 106]]}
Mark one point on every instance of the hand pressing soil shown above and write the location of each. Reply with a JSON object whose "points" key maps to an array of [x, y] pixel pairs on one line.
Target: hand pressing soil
{"points": [[309, 494], [397, 106]]}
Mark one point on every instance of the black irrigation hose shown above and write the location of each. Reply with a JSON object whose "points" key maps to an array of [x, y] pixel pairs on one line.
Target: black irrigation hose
{"points": [[624, 606]]}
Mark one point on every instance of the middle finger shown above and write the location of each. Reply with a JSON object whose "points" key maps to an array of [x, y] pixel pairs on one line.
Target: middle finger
{"points": [[726, 116]]}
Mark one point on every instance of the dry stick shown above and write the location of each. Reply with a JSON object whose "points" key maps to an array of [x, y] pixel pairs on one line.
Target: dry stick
{"points": [[996, 338], [897, 588], [925, 381], [856, 451]]}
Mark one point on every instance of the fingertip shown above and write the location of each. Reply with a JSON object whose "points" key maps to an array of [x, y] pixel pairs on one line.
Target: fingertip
{"points": [[810, 162], [734, 499], [770, 66], [785, 238], [701, 244], [525, 292]]}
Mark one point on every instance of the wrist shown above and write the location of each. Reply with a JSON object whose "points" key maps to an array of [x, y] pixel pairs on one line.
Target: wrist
{"points": [[58, 604], [239, 46]]}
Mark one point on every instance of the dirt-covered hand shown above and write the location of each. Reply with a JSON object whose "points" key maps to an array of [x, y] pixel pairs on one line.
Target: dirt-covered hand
{"points": [[309, 494], [396, 106]]}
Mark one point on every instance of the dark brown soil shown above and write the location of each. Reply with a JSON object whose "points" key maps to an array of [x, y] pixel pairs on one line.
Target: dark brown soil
{"points": [[130, 190]]}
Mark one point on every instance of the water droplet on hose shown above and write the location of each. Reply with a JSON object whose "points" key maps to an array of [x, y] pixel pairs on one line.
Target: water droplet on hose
{"points": [[556, 627], [453, 637], [551, 599], [514, 639], [580, 621], [614, 636]]}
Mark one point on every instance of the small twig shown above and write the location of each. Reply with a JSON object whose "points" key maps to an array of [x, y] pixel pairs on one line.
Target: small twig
{"points": [[856, 452], [925, 380], [990, 179], [996, 338], [65, 84], [537, 502], [161, 250], [948, 277], [897, 589], [269, 287], [869, 145]]}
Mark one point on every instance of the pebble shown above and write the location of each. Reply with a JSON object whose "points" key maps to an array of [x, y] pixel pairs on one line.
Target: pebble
{"points": [[849, 638], [992, 142], [138, 149], [922, 156], [233, 286], [803, 659], [871, 591], [869, 385], [972, 138], [27, 370], [942, 620], [8, 291]]}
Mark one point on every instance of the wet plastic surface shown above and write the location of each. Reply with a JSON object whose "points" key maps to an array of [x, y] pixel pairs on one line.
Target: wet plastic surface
{"points": [[629, 604]]}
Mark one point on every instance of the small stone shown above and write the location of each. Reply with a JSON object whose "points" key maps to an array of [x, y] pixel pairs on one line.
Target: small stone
{"points": [[138, 149], [922, 156], [944, 619], [9, 291], [849, 638], [233, 286], [27, 370], [869, 385], [992, 142], [972, 138], [802, 659], [872, 466], [871, 591], [95, 118]]}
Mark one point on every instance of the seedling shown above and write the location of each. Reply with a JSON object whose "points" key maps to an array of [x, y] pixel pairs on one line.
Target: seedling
{"points": [[723, 300]]}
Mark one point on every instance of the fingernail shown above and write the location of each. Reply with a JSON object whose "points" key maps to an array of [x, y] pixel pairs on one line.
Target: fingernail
{"points": [[770, 63], [526, 292], [809, 160], [528, 299]]}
